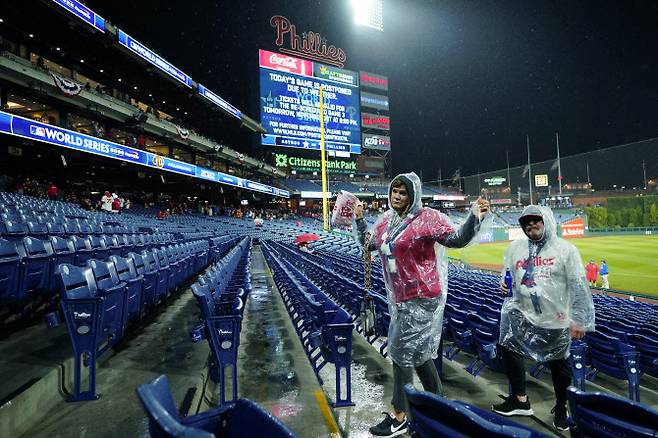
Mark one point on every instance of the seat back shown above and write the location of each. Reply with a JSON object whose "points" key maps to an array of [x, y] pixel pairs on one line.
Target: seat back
{"points": [[75, 282], [159, 406], [437, 416], [104, 273], [594, 414]]}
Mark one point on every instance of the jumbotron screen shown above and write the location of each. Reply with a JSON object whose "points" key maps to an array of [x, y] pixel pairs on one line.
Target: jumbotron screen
{"points": [[290, 104]]}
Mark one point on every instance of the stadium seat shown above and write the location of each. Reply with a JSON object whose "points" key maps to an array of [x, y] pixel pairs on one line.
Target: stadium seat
{"points": [[435, 416], [243, 418], [594, 414], [10, 260], [127, 273]]}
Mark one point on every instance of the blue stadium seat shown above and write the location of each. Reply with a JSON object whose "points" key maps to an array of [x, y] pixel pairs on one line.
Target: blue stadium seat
{"points": [[36, 267], [83, 250], [243, 418], [162, 274], [115, 295], [593, 414], [149, 285], [435, 416], [10, 260], [127, 273]]}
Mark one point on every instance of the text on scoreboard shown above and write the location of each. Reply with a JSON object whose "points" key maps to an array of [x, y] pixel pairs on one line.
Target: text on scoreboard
{"points": [[290, 104]]}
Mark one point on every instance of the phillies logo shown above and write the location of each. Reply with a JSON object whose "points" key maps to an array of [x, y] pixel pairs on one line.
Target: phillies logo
{"points": [[309, 44], [158, 161], [536, 261]]}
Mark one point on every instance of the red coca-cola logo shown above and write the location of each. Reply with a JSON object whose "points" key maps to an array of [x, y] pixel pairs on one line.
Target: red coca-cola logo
{"points": [[283, 61]]}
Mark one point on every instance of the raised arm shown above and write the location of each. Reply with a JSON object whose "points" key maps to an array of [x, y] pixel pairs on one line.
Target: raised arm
{"points": [[461, 237], [362, 228]]}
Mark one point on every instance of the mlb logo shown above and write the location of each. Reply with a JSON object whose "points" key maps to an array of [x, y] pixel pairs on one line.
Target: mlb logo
{"points": [[37, 130]]}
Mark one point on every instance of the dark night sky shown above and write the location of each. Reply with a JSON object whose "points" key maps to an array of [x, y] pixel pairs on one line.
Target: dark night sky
{"points": [[468, 79]]}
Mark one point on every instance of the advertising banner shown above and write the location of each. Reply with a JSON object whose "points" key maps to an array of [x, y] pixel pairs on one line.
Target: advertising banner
{"points": [[375, 121], [307, 165], [375, 101], [379, 142], [146, 54], [219, 101], [371, 80], [573, 228], [83, 13], [54, 135], [290, 104]]}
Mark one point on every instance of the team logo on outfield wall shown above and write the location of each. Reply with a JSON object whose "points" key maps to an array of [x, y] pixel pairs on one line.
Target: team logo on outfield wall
{"points": [[309, 44]]}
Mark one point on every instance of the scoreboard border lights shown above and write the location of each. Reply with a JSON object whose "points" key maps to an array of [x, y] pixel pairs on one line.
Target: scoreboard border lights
{"points": [[26, 128]]}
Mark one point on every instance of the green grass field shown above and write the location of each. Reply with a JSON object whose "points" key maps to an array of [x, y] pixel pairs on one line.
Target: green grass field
{"points": [[633, 260]]}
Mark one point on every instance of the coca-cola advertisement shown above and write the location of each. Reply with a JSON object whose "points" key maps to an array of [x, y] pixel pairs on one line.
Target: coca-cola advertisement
{"points": [[280, 62]]}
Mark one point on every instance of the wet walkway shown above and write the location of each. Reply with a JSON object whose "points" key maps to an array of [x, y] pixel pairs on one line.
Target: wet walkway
{"points": [[273, 369]]}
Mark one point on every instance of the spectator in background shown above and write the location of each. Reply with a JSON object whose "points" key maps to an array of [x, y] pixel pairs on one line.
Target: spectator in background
{"points": [[106, 201], [592, 271], [604, 275], [41, 64], [127, 204], [87, 86], [52, 191], [116, 203]]}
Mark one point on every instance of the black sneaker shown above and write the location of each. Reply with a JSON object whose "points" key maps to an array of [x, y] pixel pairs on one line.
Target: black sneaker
{"points": [[512, 406], [560, 419], [389, 426]]}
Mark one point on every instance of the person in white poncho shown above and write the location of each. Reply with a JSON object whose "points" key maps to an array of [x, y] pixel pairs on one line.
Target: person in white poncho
{"points": [[551, 304]]}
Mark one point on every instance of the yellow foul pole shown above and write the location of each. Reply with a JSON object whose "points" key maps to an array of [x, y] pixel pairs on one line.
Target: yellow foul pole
{"points": [[323, 164]]}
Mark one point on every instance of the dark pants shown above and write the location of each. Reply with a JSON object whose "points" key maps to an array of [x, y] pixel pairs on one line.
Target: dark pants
{"points": [[428, 376], [515, 370]]}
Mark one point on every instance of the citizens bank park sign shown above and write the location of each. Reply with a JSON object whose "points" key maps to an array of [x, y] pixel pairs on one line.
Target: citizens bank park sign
{"points": [[300, 164]]}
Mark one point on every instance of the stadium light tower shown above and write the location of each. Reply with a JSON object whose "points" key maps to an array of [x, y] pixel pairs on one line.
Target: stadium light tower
{"points": [[369, 13]]}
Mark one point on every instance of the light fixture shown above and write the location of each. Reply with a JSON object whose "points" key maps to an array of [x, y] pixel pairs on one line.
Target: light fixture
{"points": [[58, 49], [82, 61], [177, 109], [1, 20], [135, 87], [119, 79], [164, 101], [185, 113], [31, 35], [101, 70], [369, 13]]}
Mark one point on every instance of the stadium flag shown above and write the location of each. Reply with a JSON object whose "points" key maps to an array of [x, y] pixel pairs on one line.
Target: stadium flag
{"points": [[525, 171], [554, 166], [66, 86], [182, 132]]}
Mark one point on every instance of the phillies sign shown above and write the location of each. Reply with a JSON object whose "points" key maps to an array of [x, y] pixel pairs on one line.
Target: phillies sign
{"points": [[309, 44]]}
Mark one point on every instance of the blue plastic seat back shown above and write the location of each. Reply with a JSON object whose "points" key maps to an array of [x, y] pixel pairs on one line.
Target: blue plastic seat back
{"points": [[204, 299], [55, 229], [37, 228], [75, 282], [104, 273], [159, 406], [603, 415], [124, 273], [433, 416], [37, 264], [10, 259]]}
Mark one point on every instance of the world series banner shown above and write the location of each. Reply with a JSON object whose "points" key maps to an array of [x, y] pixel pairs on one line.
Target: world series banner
{"points": [[290, 104], [22, 127]]}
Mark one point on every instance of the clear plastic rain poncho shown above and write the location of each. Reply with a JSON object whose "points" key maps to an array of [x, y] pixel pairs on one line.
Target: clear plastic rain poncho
{"points": [[412, 249], [549, 292]]}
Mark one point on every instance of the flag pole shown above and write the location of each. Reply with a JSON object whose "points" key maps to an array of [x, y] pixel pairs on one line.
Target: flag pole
{"points": [[323, 163], [559, 168], [527, 141], [509, 180]]}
